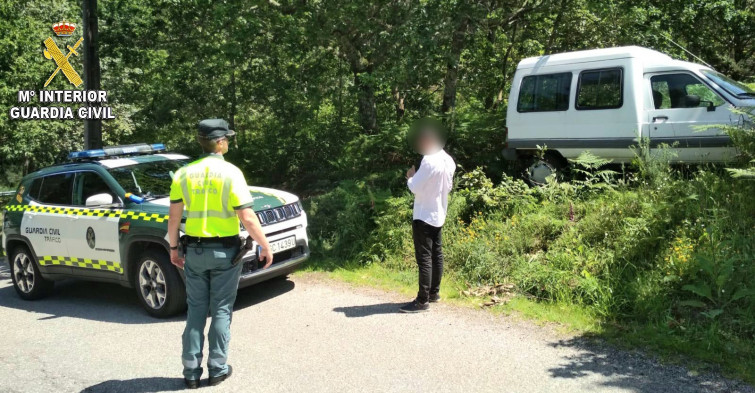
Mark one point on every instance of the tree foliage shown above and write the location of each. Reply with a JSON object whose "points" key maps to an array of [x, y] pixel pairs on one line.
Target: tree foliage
{"points": [[314, 86]]}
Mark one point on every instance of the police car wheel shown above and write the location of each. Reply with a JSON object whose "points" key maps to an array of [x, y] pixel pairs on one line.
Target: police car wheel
{"points": [[28, 282], [158, 285]]}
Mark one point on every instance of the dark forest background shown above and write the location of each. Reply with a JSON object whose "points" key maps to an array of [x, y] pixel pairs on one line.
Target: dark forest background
{"points": [[324, 90]]}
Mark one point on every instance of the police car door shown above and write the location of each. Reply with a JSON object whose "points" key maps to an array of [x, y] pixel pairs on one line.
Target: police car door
{"points": [[95, 243], [46, 221]]}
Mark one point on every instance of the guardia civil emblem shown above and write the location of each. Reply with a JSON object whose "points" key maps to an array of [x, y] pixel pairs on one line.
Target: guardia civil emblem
{"points": [[53, 52], [90, 237]]}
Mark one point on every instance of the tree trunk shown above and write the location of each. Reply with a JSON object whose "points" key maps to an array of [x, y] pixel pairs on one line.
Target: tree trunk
{"points": [[92, 128], [399, 103], [232, 115], [452, 66], [505, 66], [26, 167], [366, 104], [340, 95]]}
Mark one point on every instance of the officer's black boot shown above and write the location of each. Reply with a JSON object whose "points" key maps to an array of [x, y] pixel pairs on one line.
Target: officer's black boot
{"points": [[191, 383], [214, 381]]}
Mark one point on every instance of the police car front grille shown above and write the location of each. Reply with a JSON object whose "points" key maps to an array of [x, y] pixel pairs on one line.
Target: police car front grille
{"points": [[279, 214], [253, 266]]}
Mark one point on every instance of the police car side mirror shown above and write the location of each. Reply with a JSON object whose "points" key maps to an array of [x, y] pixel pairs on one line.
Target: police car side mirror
{"points": [[100, 200]]}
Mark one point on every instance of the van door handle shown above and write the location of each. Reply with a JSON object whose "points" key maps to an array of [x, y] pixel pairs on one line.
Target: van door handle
{"points": [[656, 118]]}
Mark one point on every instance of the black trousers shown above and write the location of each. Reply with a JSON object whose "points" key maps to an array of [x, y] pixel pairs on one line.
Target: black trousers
{"points": [[429, 254]]}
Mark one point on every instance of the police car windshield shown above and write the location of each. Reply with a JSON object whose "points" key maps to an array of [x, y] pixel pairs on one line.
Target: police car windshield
{"points": [[147, 179]]}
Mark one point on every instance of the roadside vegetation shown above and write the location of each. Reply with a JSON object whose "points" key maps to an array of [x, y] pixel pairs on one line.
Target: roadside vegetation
{"points": [[655, 255]]}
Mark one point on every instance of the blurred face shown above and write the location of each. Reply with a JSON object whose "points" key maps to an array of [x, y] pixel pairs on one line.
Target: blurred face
{"points": [[427, 136], [428, 142]]}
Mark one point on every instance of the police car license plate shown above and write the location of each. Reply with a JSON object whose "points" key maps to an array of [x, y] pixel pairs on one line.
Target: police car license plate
{"points": [[283, 244]]}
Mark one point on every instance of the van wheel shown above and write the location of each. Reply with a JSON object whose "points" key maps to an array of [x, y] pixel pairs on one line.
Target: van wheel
{"points": [[539, 169], [28, 282], [159, 286]]}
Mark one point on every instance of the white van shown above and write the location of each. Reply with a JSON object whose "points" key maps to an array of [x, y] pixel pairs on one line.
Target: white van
{"points": [[606, 100]]}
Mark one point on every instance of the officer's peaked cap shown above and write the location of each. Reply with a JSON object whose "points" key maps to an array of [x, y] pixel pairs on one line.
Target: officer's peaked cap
{"points": [[214, 129]]}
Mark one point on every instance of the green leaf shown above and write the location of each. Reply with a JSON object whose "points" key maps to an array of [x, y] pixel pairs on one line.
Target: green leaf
{"points": [[692, 303], [740, 293], [747, 173], [712, 314], [699, 289], [705, 263]]}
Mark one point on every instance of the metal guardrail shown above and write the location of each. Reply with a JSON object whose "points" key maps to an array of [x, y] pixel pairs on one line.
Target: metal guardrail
{"points": [[7, 193]]}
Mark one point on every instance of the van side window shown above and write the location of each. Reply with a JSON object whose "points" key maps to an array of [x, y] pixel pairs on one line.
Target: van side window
{"points": [[544, 93], [600, 89], [57, 189], [674, 91]]}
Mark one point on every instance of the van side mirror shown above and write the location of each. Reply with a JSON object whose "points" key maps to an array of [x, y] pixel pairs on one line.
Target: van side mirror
{"points": [[691, 101], [709, 105], [100, 200]]}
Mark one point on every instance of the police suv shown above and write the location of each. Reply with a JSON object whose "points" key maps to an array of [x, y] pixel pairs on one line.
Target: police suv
{"points": [[103, 216]]}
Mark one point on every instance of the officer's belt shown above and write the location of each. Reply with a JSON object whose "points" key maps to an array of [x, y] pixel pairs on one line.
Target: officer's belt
{"points": [[226, 241]]}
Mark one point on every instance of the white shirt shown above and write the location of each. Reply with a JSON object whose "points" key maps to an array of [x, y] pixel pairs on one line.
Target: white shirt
{"points": [[431, 185]]}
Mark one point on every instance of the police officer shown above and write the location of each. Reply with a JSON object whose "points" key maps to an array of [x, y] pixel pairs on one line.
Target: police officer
{"points": [[215, 196]]}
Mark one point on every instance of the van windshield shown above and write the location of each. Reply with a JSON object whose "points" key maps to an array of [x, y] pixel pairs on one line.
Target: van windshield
{"points": [[739, 90]]}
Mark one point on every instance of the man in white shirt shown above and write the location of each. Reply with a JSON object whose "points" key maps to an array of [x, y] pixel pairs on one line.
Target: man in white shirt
{"points": [[430, 184]]}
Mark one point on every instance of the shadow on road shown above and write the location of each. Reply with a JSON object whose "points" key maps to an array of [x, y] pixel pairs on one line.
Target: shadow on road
{"points": [[370, 309], [633, 371], [262, 292], [86, 300], [112, 302], [138, 385]]}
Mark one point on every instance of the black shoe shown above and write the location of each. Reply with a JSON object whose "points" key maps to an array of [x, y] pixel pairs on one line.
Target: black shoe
{"points": [[214, 381], [434, 298], [191, 383], [414, 307]]}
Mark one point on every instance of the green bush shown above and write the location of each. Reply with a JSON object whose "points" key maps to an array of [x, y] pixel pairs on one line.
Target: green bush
{"points": [[339, 221], [743, 136], [669, 249]]}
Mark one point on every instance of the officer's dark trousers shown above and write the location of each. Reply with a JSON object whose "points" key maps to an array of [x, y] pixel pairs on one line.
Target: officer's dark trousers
{"points": [[429, 254], [211, 285]]}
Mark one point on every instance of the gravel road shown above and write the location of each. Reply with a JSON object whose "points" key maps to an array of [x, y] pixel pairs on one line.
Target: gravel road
{"points": [[308, 334]]}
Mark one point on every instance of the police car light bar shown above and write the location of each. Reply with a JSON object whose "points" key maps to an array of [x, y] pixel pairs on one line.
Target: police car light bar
{"points": [[114, 151]]}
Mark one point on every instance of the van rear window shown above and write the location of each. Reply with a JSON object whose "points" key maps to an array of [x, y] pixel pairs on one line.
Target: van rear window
{"points": [[545, 93], [600, 89]]}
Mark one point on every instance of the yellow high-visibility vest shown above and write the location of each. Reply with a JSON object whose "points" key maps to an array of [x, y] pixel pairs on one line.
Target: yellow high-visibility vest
{"points": [[211, 190]]}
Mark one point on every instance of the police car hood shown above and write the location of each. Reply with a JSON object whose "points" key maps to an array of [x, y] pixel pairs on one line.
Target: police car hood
{"points": [[267, 198], [264, 198]]}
